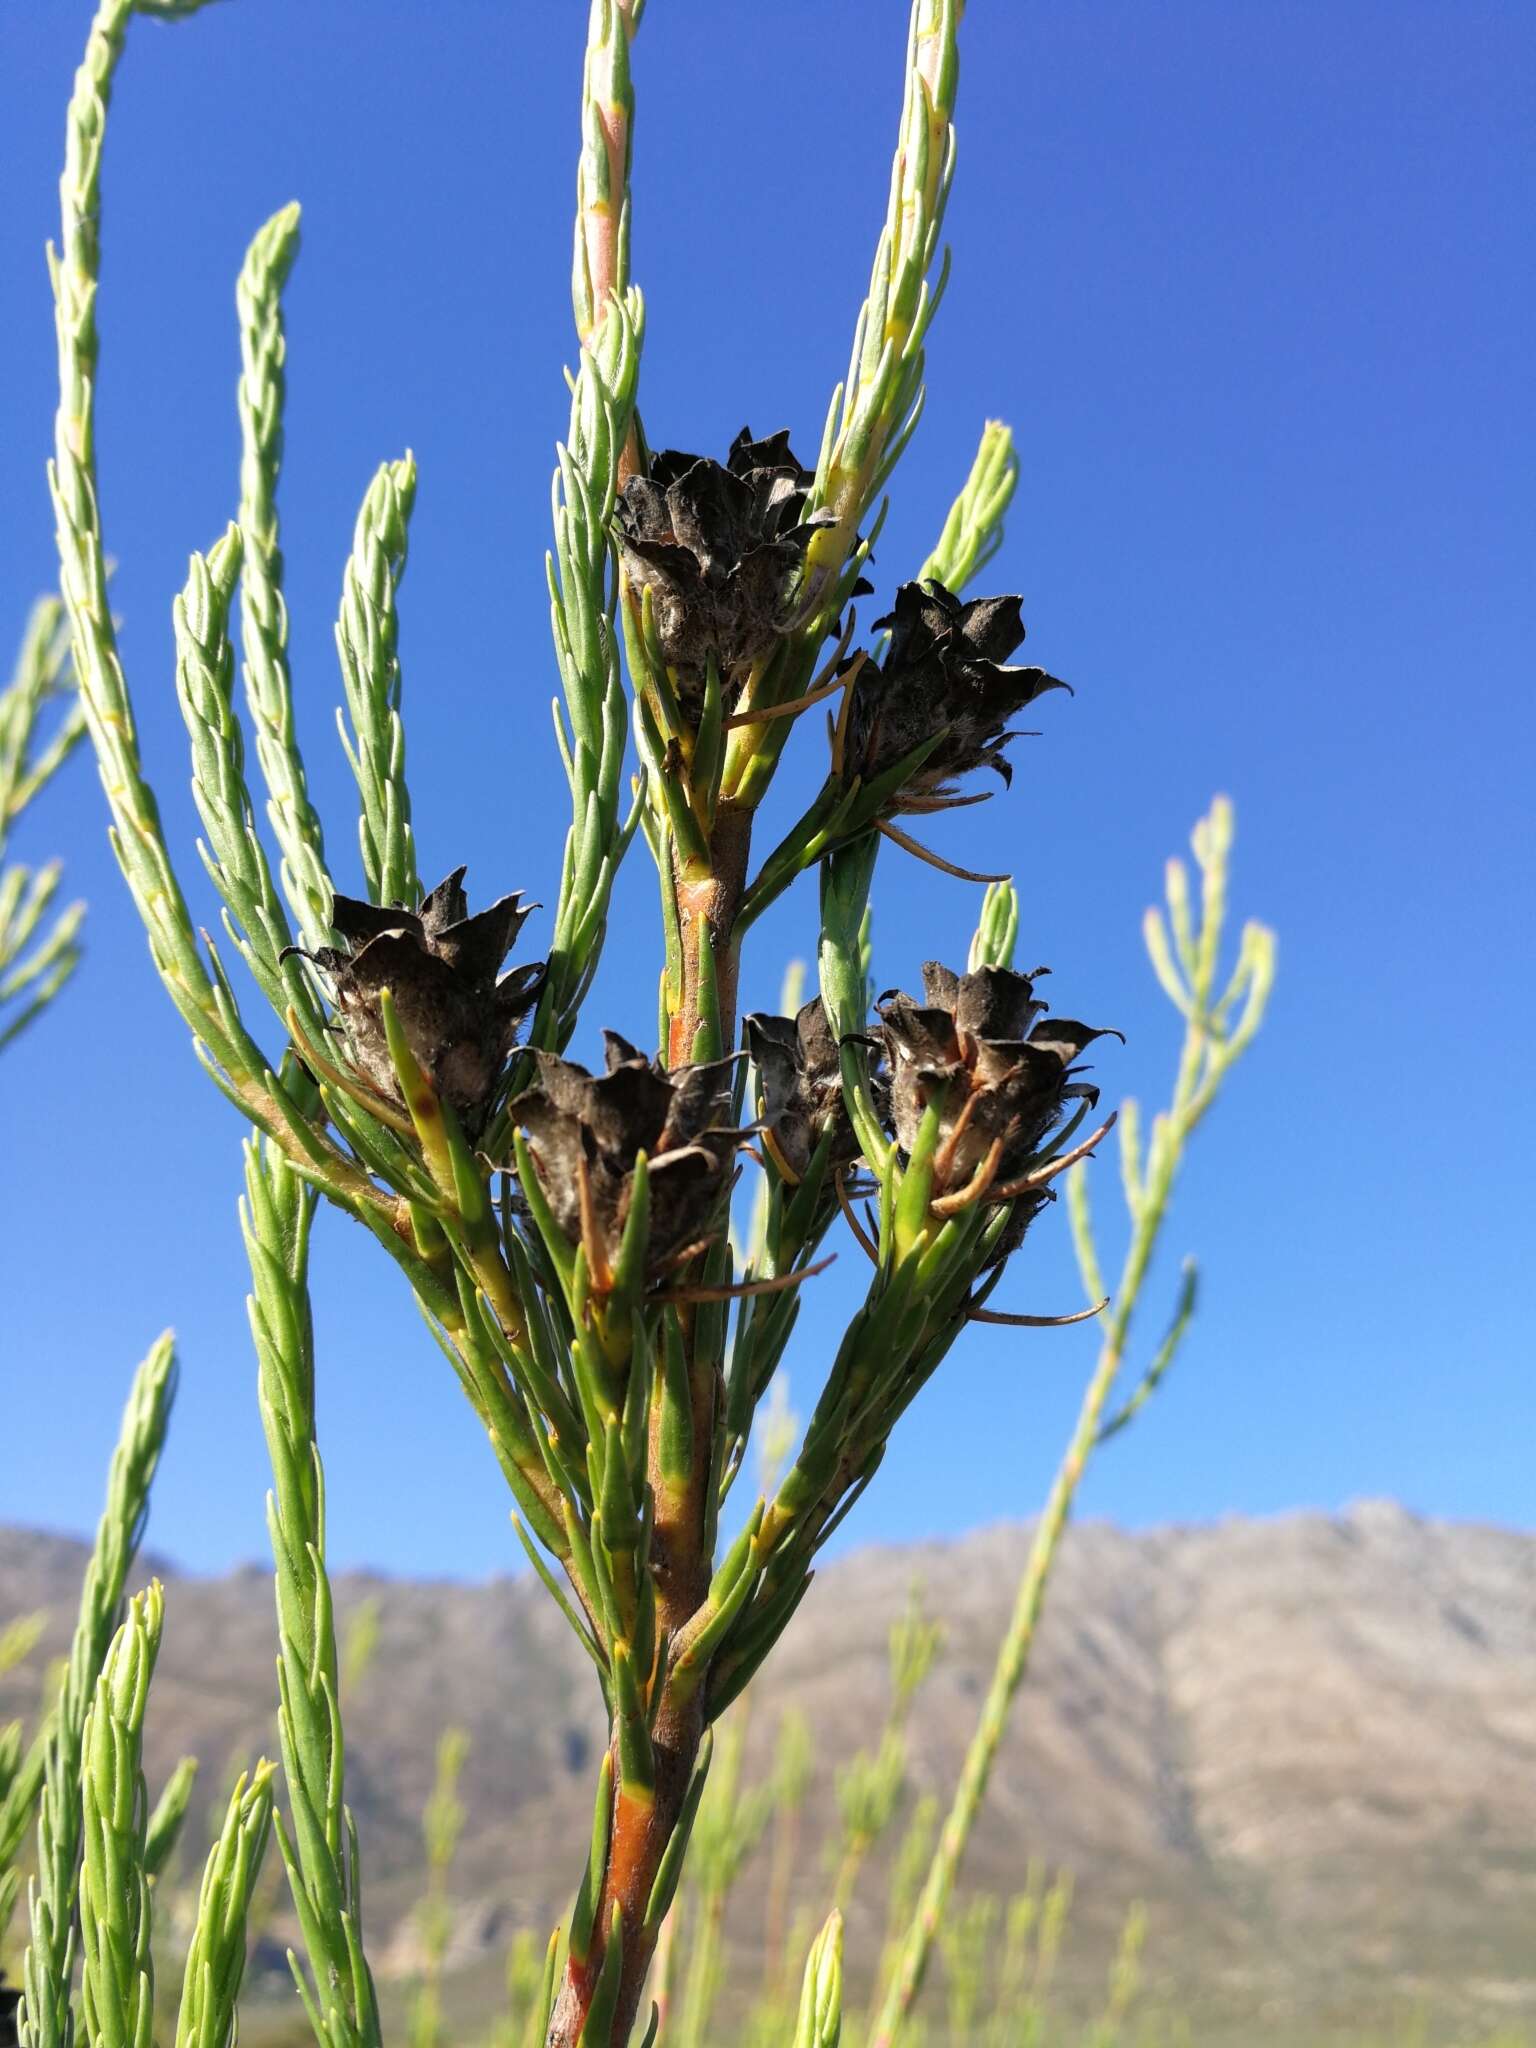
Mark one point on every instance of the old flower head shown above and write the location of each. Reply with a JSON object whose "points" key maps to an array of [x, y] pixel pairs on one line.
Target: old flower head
{"points": [[979, 1047], [801, 1076], [440, 966], [719, 548], [585, 1133], [945, 676]]}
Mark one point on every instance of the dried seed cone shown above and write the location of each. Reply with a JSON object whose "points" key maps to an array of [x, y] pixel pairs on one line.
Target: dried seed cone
{"points": [[1002, 1073], [802, 1085], [440, 966], [586, 1131], [945, 672], [720, 548]]}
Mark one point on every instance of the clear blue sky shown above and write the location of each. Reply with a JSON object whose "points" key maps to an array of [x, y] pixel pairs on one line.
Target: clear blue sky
{"points": [[1252, 285]]}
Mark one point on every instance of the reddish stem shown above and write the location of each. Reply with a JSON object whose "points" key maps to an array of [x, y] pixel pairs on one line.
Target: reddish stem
{"points": [[706, 911], [640, 1829]]}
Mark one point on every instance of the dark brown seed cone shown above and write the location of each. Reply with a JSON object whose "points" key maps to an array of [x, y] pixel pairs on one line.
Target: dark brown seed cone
{"points": [[1003, 1072], [944, 672], [585, 1127], [802, 1085], [440, 966], [720, 548]]}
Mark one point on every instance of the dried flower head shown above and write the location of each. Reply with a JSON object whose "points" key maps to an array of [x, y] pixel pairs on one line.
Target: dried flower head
{"points": [[801, 1075], [945, 672], [720, 549], [585, 1132], [980, 1046], [440, 966]]}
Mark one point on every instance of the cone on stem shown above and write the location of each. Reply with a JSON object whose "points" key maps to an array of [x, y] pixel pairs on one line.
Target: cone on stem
{"points": [[720, 547], [587, 1133], [440, 965], [945, 678]]}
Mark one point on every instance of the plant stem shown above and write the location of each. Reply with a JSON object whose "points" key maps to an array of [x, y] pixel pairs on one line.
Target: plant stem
{"points": [[1208, 1051], [640, 1832], [707, 906], [47, 2020], [320, 1852], [642, 1828], [1007, 1676]]}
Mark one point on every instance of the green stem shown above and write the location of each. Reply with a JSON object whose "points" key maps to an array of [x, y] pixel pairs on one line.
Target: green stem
{"points": [[117, 1980], [1007, 1676], [46, 2019], [263, 613], [321, 1853], [1204, 1059]]}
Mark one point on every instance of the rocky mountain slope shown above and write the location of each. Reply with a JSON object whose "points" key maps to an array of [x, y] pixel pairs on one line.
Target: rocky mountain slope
{"points": [[1309, 1743]]}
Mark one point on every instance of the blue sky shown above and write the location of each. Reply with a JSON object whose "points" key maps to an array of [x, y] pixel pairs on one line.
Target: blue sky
{"points": [[1252, 286]]}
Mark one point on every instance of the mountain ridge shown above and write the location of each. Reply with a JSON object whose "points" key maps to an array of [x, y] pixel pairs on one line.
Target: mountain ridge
{"points": [[1358, 1508], [1307, 1740]]}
